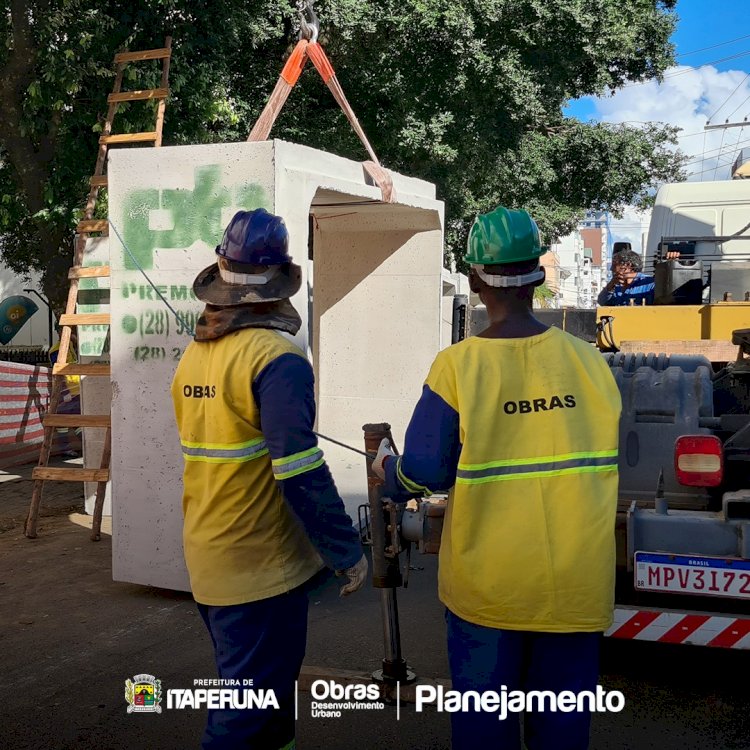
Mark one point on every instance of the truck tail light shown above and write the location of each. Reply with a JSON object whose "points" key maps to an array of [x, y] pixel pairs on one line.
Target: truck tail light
{"points": [[699, 460]]}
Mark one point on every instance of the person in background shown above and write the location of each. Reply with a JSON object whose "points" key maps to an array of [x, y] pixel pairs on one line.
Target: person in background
{"points": [[628, 284], [69, 439]]}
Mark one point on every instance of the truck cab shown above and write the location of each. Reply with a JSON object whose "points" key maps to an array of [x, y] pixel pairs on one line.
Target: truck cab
{"points": [[698, 245]]}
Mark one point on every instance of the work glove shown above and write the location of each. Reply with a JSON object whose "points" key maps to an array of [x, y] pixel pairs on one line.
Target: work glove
{"points": [[357, 576], [378, 463]]}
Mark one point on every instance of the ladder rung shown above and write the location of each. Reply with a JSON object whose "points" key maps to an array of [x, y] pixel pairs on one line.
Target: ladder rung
{"points": [[130, 96], [77, 420], [148, 54], [128, 138], [74, 368], [92, 225], [88, 272], [85, 319], [70, 475], [98, 180]]}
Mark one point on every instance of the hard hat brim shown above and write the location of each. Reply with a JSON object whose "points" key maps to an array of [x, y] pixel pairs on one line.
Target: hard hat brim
{"points": [[211, 288]]}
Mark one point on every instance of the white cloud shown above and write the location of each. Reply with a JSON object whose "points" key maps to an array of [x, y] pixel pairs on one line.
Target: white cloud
{"points": [[687, 98]]}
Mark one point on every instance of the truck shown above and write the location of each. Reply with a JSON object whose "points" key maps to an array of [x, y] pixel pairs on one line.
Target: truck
{"points": [[683, 369]]}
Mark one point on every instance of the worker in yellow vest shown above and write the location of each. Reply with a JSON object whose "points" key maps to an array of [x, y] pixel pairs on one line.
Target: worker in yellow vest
{"points": [[262, 513], [520, 424]]}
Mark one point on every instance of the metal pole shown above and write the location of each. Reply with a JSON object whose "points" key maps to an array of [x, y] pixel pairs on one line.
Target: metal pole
{"points": [[458, 329], [386, 571], [391, 629], [726, 125]]}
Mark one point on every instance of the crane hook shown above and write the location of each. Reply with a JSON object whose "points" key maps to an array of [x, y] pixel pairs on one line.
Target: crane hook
{"points": [[309, 26]]}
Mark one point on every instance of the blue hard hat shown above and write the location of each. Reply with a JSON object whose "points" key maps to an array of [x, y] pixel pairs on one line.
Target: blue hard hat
{"points": [[255, 237]]}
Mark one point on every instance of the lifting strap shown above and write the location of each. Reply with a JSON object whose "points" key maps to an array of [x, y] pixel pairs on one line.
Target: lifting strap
{"points": [[309, 49]]}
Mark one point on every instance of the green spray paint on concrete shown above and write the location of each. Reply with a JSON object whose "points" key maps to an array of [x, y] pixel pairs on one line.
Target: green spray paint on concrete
{"points": [[195, 214]]}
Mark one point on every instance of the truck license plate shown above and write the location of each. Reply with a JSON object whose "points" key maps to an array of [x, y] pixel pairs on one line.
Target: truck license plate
{"points": [[689, 574]]}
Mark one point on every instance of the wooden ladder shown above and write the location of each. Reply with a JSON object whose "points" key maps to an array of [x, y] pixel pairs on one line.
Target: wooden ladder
{"points": [[86, 227]]}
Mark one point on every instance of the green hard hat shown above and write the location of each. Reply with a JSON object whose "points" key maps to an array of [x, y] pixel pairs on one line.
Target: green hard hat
{"points": [[503, 236]]}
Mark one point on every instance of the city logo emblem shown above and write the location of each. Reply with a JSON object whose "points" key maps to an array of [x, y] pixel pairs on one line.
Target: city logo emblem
{"points": [[143, 694]]}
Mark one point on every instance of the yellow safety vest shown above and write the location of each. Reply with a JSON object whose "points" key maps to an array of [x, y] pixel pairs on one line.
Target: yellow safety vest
{"points": [[528, 542], [241, 541]]}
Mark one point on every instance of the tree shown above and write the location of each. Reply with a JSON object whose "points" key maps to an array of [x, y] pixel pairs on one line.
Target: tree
{"points": [[466, 93], [55, 74], [543, 296]]}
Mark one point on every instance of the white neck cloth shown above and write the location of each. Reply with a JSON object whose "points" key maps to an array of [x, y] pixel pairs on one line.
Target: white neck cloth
{"points": [[251, 279], [496, 280]]}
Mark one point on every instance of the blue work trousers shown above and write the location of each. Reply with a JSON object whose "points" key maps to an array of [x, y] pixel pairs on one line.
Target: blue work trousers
{"points": [[485, 659], [262, 641]]}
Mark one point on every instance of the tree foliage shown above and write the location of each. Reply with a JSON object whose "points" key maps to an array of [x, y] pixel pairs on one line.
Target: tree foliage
{"points": [[544, 296], [466, 93]]}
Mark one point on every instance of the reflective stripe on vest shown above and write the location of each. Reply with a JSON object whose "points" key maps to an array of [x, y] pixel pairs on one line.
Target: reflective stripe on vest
{"points": [[297, 463], [225, 453], [410, 486], [544, 466]]}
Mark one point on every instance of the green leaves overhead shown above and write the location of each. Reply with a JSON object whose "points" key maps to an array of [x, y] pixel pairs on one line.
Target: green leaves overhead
{"points": [[468, 94]]}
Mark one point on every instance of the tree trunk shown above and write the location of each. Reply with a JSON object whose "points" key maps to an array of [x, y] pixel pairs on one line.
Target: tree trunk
{"points": [[54, 274], [31, 159]]}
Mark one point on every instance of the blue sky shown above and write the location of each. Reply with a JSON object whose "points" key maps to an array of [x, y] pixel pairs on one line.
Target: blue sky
{"points": [[701, 23], [702, 87]]}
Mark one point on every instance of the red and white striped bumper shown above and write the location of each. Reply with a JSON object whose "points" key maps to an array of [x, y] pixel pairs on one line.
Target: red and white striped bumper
{"points": [[668, 626]]}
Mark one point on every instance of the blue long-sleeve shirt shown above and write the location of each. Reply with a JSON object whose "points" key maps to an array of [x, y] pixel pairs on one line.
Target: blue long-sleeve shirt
{"points": [[642, 288], [285, 393], [431, 450]]}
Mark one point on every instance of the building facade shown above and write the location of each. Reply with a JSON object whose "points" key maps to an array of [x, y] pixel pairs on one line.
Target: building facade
{"points": [[579, 263]]}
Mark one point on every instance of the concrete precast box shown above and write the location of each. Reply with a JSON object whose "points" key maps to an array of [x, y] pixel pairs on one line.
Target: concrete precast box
{"points": [[370, 303]]}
